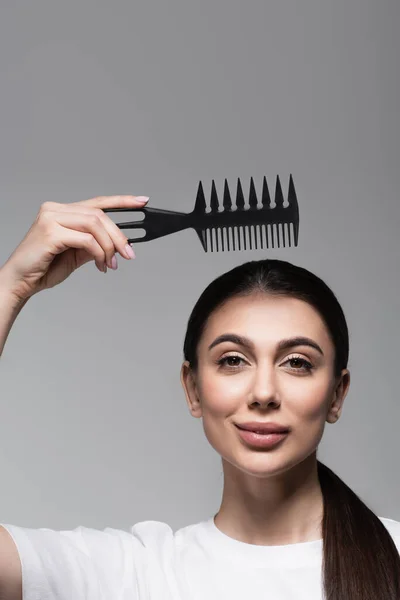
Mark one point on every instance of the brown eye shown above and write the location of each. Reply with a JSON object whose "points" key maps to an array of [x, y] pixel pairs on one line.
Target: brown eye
{"points": [[230, 361], [306, 366]]}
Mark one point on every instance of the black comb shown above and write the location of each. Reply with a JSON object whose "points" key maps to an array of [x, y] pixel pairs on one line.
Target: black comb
{"points": [[230, 228]]}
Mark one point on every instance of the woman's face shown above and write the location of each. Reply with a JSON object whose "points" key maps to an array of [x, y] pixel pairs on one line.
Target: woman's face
{"points": [[251, 379]]}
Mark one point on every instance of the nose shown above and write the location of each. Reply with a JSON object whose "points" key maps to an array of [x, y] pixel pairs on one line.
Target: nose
{"points": [[264, 388]]}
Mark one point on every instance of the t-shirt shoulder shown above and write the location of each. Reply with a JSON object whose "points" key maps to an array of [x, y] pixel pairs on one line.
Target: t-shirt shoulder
{"points": [[89, 564]]}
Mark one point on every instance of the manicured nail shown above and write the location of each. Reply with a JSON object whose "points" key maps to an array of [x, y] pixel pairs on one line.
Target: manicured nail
{"points": [[142, 199], [129, 251], [114, 263]]}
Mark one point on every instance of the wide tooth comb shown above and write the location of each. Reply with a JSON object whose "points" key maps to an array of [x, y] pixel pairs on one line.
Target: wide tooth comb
{"points": [[232, 226], [254, 226]]}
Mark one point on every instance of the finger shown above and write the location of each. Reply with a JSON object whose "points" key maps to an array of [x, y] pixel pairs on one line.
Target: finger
{"points": [[118, 237], [83, 241], [114, 202], [90, 224]]}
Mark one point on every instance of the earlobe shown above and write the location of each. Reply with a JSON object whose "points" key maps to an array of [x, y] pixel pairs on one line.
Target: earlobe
{"points": [[190, 389]]}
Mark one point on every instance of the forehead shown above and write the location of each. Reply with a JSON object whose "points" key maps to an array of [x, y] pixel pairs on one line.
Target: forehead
{"points": [[266, 319]]}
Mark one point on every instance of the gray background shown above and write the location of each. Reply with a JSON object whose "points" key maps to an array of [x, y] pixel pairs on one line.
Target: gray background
{"points": [[150, 98]]}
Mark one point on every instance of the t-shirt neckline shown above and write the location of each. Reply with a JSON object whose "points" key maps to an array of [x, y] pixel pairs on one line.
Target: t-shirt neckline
{"points": [[229, 549]]}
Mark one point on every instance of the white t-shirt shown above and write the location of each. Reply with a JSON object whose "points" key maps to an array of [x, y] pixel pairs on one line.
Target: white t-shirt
{"points": [[151, 562]]}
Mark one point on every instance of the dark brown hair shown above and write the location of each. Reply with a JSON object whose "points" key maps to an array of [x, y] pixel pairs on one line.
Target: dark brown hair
{"points": [[360, 558]]}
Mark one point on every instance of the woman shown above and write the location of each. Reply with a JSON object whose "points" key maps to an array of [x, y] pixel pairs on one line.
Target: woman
{"points": [[266, 343]]}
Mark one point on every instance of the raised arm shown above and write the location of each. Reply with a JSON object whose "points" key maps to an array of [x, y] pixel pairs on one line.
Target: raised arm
{"points": [[62, 239], [10, 307]]}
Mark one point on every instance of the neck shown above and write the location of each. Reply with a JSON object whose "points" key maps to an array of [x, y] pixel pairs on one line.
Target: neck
{"points": [[273, 510]]}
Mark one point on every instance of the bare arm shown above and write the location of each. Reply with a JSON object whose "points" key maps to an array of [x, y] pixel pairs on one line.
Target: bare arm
{"points": [[10, 307], [62, 238], [10, 568], [10, 564]]}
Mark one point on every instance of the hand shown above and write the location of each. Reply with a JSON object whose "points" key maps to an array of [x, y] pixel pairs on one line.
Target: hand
{"points": [[64, 237]]}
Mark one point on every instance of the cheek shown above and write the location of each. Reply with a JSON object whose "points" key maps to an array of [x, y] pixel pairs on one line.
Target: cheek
{"points": [[307, 409], [310, 398], [222, 395]]}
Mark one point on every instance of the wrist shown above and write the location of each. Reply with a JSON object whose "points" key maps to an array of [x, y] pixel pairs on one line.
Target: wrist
{"points": [[8, 290]]}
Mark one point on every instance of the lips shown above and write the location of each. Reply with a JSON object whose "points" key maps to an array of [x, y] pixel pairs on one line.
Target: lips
{"points": [[263, 428]]}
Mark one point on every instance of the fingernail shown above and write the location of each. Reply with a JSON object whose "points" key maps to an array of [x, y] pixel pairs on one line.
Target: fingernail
{"points": [[114, 263], [143, 199], [129, 251]]}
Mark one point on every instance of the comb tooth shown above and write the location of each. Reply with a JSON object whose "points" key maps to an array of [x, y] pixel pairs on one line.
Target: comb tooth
{"points": [[200, 204], [258, 234], [266, 198], [264, 237], [245, 237], [252, 196], [296, 233], [222, 238], [292, 193], [249, 237], [272, 235], [214, 205], [217, 237], [239, 196], [203, 238], [233, 238], [211, 239], [278, 193], [227, 201], [239, 237], [278, 234], [284, 234]]}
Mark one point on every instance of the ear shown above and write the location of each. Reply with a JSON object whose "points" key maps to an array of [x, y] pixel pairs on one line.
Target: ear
{"points": [[339, 394], [188, 381]]}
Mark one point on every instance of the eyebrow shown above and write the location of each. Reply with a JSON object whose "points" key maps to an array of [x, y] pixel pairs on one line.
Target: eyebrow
{"points": [[282, 345]]}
